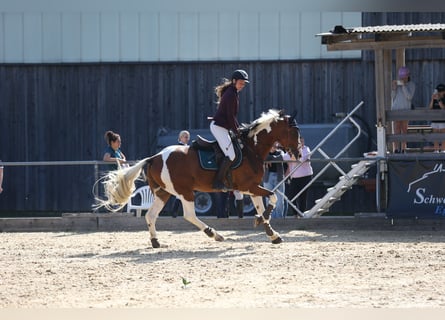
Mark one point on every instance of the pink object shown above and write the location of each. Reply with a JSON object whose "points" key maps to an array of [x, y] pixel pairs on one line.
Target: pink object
{"points": [[403, 72]]}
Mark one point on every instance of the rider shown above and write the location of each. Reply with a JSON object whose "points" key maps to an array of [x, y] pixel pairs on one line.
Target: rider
{"points": [[225, 120]]}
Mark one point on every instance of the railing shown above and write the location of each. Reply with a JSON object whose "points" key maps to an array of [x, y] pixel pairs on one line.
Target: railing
{"points": [[33, 181], [416, 115], [331, 161]]}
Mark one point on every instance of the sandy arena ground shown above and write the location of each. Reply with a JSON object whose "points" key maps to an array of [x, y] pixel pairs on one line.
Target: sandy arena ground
{"points": [[315, 269]]}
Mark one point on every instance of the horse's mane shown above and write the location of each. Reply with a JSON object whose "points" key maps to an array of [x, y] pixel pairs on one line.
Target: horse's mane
{"points": [[263, 122]]}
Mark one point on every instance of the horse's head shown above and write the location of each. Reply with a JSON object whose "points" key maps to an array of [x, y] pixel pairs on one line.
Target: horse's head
{"points": [[276, 126], [293, 143]]}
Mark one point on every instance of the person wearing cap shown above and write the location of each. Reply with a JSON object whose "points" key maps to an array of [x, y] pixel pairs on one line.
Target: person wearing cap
{"points": [[225, 119], [438, 102], [402, 92]]}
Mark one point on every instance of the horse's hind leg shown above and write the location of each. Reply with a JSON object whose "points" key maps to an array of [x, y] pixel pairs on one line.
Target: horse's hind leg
{"points": [[190, 215], [152, 215], [263, 217]]}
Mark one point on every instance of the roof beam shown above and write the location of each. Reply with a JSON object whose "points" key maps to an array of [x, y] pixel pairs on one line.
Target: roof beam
{"points": [[371, 44]]}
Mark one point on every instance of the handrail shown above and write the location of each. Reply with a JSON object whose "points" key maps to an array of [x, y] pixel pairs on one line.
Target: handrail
{"points": [[417, 114], [57, 163], [348, 117], [95, 163]]}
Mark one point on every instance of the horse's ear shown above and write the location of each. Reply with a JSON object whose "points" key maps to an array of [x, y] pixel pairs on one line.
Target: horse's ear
{"points": [[292, 120]]}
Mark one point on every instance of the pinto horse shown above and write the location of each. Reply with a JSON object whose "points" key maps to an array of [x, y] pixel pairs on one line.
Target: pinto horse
{"points": [[175, 170]]}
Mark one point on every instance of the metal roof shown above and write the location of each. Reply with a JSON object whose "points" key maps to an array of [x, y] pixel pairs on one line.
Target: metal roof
{"points": [[385, 37], [426, 27], [400, 28]]}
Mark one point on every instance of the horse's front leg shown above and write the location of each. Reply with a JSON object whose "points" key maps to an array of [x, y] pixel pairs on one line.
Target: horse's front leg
{"points": [[190, 215], [263, 215]]}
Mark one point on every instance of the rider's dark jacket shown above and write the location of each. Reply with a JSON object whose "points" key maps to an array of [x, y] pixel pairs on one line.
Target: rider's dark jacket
{"points": [[227, 111]]}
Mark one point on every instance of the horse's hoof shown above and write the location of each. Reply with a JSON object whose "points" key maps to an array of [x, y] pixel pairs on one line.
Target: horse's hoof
{"points": [[277, 240], [218, 237], [155, 243], [258, 220]]}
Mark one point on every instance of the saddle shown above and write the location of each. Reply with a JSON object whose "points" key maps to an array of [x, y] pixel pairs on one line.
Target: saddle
{"points": [[210, 154]]}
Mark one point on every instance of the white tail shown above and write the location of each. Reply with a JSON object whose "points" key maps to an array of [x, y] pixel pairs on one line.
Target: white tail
{"points": [[119, 186]]}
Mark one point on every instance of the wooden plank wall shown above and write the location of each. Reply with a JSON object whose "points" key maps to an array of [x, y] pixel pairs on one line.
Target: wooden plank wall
{"points": [[60, 112]]}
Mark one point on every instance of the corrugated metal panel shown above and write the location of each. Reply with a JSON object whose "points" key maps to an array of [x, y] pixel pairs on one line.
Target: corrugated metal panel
{"points": [[90, 37], [407, 18], [71, 37], [32, 34], [399, 28], [112, 36]]}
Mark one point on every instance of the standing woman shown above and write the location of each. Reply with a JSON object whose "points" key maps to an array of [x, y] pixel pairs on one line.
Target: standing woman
{"points": [[300, 178], [438, 102], [113, 152], [402, 92], [225, 120]]}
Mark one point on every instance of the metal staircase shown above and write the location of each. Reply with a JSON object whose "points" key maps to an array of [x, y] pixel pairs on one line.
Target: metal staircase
{"points": [[346, 180], [334, 193]]}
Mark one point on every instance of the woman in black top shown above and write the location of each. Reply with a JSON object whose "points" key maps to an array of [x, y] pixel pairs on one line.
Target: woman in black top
{"points": [[438, 102]]}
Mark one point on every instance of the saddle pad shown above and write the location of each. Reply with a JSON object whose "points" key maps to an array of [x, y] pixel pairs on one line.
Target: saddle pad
{"points": [[207, 160]]}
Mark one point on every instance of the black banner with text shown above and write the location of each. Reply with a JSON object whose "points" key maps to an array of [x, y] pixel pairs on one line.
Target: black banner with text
{"points": [[416, 189]]}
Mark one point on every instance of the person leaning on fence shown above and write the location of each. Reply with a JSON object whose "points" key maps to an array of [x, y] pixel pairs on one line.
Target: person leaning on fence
{"points": [[402, 92], [113, 152], [438, 102]]}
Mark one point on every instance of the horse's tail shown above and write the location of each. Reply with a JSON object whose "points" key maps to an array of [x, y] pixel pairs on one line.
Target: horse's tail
{"points": [[119, 186]]}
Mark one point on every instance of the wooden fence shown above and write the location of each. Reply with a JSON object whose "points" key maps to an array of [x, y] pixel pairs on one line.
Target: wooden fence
{"points": [[60, 112]]}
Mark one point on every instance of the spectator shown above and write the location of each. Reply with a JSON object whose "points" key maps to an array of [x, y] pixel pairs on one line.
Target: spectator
{"points": [[183, 139], [113, 152], [300, 178], [438, 102], [221, 204], [239, 203], [274, 173], [1, 177], [402, 92]]}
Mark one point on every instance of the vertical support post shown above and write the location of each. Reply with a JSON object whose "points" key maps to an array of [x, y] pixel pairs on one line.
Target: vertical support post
{"points": [[96, 185], [400, 58], [383, 78], [380, 100]]}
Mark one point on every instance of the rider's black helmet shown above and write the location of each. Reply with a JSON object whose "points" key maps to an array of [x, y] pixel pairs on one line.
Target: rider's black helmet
{"points": [[240, 75]]}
